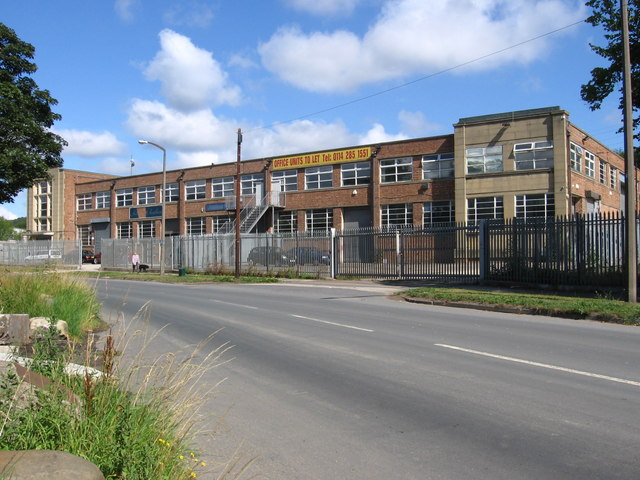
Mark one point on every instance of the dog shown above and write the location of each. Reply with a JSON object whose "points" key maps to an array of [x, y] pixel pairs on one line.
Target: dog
{"points": [[143, 267]]}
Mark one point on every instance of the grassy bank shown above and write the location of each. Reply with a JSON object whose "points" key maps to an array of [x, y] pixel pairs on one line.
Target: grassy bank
{"points": [[605, 309]]}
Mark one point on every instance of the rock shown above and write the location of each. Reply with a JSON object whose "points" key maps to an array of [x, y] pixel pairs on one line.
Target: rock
{"points": [[46, 465], [43, 323]]}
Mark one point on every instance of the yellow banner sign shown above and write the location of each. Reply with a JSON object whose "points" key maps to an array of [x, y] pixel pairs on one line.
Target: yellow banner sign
{"points": [[322, 158]]}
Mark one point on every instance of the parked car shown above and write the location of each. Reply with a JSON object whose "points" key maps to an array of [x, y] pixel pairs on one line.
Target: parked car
{"points": [[308, 255], [89, 257], [44, 256], [268, 256]]}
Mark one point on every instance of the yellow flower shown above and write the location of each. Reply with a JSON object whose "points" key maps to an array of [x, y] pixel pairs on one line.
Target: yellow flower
{"points": [[192, 455], [204, 464], [181, 457], [193, 475]]}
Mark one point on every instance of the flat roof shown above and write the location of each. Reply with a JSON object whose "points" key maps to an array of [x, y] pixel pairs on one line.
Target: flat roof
{"points": [[510, 115]]}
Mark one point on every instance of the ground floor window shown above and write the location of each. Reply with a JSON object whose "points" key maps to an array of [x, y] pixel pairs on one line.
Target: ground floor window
{"points": [[286, 222], [219, 222], [124, 230], [397, 214], [147, 229], [195, 226], [484, 208], [438, 212], [535, 205], [320, 219], [84, 234]]}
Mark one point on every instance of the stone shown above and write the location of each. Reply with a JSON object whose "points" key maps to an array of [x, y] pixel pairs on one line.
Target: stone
{"points": [[43, 323], [14, 329], [46, 465]]}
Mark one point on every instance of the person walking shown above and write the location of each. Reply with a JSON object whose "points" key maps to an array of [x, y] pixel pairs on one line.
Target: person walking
{"points": [[135, 262]]}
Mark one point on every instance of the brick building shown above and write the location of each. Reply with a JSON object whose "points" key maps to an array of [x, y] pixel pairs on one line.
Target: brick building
{"points": [[528, 163]]}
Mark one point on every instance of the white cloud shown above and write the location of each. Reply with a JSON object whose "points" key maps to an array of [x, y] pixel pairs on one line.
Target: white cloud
{"points": [[324, 7], [191, 14], [191, 78], [416, 125], [6, 214], [417, 37], [89, 144], [377, 134], [124, 9]]}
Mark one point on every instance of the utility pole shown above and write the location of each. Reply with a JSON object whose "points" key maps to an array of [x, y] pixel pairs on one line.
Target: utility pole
{"points": [[238, 196], [632, 262]]}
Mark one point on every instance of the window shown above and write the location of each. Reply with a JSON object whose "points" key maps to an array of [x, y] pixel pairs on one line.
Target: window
{"points": [[124, 230], [603, 172], [124, 198], [222, 187], [484, 160], [287, 179], [147, 229], [397, 214], [320, 219], [196, 189], [287, 222], [485, 208], [43, 225], [535, 205], [589, 164], [613, 178], [221, 221], [437, 166], [575, 153], [249, 183], [84, 234], [44, 205], [172, 193], [396, 170], [195, 226], [356, 174], [42, 188], [438, 212], [533, 155], [146, 195], [318, 177], [84, 202], [103, 199]]}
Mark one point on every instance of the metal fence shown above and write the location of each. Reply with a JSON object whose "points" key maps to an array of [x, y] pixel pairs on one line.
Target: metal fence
{"points": [[41, 252]]}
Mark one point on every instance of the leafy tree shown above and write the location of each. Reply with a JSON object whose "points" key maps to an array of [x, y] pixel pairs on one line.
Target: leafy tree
{"points": [[6, 230], [20, 222], [604, 80], [27, 147]]}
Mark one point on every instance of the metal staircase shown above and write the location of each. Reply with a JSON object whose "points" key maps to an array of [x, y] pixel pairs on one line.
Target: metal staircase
{"points": [[252, 211]]}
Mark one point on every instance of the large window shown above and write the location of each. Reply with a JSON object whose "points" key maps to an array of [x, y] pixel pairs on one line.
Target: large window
{"points": [[172, 193], [220, 221], [318, 177], [43, 225], [589, 164], [286, 179], [44, 206], [397, 214], [575, 153], [222, 187], [249, 183], [196, 190], [124, 198], [438, 212], [484, 160], [356, 174], [146, 195], [437, 166], [124, 230], [195, 226], [103, 199], [485, 208], [320, 219], [602, 172], [396, 170], [535, 205], [613, 178], [84, 201], [287, 222], [147, 229], [533, 155]]}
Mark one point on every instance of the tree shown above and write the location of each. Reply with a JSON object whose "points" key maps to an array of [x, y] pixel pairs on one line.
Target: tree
{"points": [[7, 231], [606, 13], [28, 149]]}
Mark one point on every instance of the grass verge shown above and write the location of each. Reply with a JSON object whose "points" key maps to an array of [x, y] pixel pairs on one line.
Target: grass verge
{"points": [[604, 309]]}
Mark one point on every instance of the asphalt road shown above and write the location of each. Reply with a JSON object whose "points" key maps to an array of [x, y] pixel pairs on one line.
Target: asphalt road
{"points": [[344, 383]]}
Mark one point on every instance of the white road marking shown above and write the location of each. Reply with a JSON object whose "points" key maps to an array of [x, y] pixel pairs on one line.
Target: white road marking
{"points": [[237, 304], [332, 323], [542, 365]]}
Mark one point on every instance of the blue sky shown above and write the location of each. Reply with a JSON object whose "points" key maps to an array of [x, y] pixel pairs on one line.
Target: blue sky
{"points": [[188, 73]]}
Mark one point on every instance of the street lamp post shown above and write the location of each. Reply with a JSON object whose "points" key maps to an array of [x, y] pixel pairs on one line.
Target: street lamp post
{"points": [[162, 199]]}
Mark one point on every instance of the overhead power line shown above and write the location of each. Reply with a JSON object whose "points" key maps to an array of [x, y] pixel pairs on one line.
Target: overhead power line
{"points": [[419, 79]]}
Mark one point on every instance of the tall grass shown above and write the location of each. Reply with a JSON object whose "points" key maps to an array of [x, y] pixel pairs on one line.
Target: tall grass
{"points": [[51, 295], [135, 421]]}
